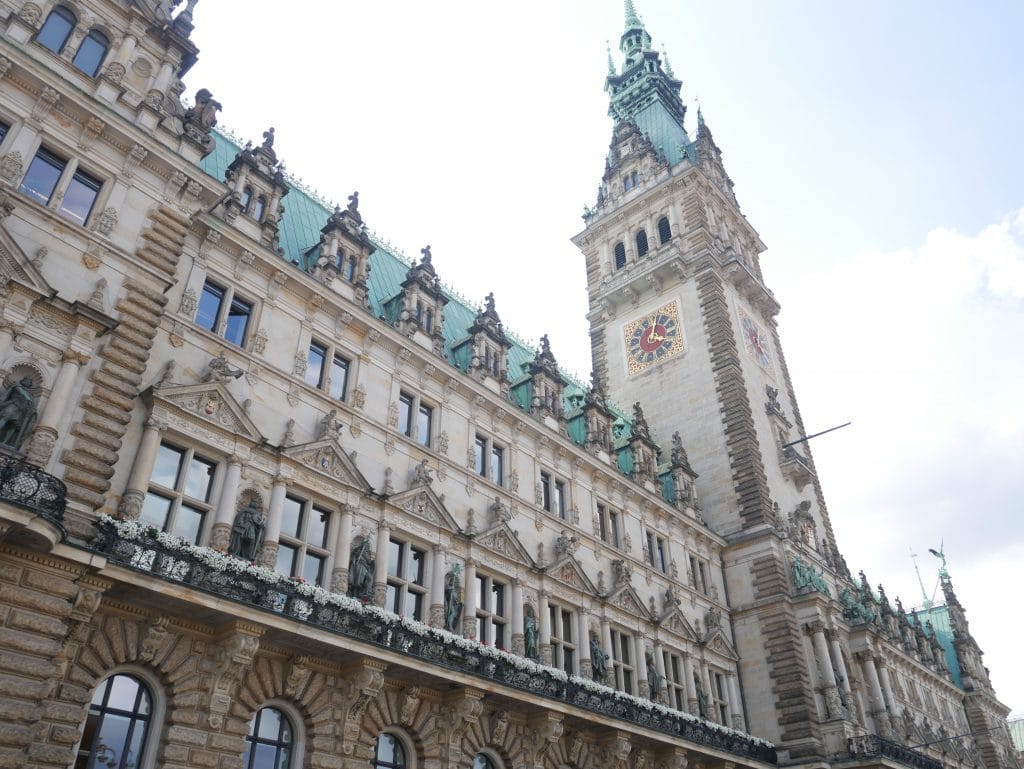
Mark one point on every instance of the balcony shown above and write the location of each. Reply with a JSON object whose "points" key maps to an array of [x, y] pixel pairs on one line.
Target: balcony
{"points": [[873, 746], [133, 546], [796, 468], [28, 487]]}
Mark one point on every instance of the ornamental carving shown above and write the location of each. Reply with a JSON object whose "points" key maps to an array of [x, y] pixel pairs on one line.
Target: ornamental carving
{"points": [[106, 221], [11, 165]]}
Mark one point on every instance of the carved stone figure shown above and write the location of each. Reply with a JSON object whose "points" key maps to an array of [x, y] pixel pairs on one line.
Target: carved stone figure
{"points": [[499, 511], [598, 659], [452, 600], [247, 532], [17, 413], [421, 474], [530, 634], [654, 678], [702, 701], [219, 370], [360, 571]]}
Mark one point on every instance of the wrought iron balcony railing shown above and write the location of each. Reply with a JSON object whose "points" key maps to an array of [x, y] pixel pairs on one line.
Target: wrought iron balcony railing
{"points": [[873, 746], [29, 487], [146, 553]]}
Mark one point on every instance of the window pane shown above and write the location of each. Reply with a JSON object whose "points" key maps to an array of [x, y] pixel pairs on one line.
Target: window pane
{"points": [[112, 739], [188, 524], [316, 529], [41, 179], [123, 692], [291, 517], [545, 485], [391, 601], [209, 306], [423, 433], [265, 757], [155, 510], [560, 498], [56, 30], [413, 602], [339, 378], [315, 365], [567, 627], [386, 749], [90, 53], [312, 568], [79, 198], [284, 757], [499, 599], [165, 469], [481, 593], [286, 559], [395, 558], [238, 321], [480, 449], [497, 464], [404, 414], [418, 558], [198, 479]]}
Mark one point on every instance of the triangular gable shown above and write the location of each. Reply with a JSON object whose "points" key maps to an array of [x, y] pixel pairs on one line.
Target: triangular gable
{"points": [[327, 457], [716, 641], [424, 503], [211, 402], [15, 264], [629, 600], [675, 621], [501, 539], [570, 572]]}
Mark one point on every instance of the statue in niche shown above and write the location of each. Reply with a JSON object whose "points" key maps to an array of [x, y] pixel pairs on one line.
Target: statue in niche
{"points": [[247, 532], [452, 601], [360, 571], [702, 700], [17, 412], [530, 634], [654, 678], [598, 659]]}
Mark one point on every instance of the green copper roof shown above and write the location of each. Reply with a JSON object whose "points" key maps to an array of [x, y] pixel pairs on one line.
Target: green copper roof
{"points": [[632, 20], [939, 617]]}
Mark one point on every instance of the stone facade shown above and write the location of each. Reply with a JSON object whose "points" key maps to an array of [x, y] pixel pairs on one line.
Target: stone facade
{"points": [[437, 537]]}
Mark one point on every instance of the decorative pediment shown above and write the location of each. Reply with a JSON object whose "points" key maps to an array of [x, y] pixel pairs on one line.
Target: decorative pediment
{"points": [[717, 642], [675, 621], [424, 503], [327, 457], [502, 540], [629, 601], [16, 265], [569, 571], [210, 402]]}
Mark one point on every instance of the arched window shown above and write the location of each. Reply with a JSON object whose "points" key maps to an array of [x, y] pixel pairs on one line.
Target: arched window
{"points": [[620, 256], [91, 53], [483, 761], [117, 724], [259, 208], [664, 230], [641, 243], [269, 744], [57, 28], [246, 198], [350, 268], [389, 753]]}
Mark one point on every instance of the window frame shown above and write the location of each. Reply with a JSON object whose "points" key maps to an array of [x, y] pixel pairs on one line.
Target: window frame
{"points": [[658, 556], [675, 680], [699, 574], [404, 585], [177, 495], [643, 245], [411, 425], [623, 665], [403, 742], [664, 230], [562, 646], [93, 35], [619, 255], [485, 451], [555, 494], [326, 380], [152, 721], [490, 622], [294, 746], [609, 525], [63, 12], [229, 296], [300, 544]]}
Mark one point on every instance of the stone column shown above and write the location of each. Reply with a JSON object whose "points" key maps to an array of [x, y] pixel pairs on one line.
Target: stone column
{"points": [[380, 564], [583, 642], [875, 697], [840, 665], [469, 610], [272, 530], [518, 638], [40, 448], [691, 687], [825, 675], [437, 618], [886, 681], [342, 551], [709, 691], [544, 640], [736, 703], [643, 686], [606, 644], [659, 664], [225, 512], [145, 458]]}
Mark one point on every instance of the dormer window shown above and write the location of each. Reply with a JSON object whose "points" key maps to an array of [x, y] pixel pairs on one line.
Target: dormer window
{"points": [[91, 53], [259, 208], [57, 29], [630, 181], [350, 268], [641, 243], [664, 230], [246, 198], [620, 256]]}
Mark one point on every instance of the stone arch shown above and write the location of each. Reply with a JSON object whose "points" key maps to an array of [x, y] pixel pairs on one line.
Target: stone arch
{"points": [[417, 726], [494, 733], [22, 366], [572, 751]]}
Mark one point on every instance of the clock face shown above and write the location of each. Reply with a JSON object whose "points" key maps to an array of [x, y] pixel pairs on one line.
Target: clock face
{"points": [[654, 338], [755, 339]]}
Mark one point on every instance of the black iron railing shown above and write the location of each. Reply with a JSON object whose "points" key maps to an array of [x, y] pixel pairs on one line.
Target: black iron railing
{"points": [[873, 746], [29, 487], [145, 553]]}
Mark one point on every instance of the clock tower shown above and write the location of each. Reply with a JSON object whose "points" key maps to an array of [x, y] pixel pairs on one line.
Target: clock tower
{"points": [[682, 322]]}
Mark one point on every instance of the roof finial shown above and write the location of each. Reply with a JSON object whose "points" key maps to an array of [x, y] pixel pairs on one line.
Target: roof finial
{"points": [[668, 67], [611, 64], [632, 20]]}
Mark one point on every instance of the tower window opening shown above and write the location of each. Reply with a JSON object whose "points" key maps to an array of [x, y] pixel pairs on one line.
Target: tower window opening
{"points": [[630, 181], [664, 230], [641, 243], [620, 256]]}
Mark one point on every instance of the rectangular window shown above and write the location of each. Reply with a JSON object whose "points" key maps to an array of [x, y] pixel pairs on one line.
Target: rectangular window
{"points": [[339, 377], [563, 633], [209, 306], [315, 359], [219, 307], [178, 497], [480, 455], [4, 128], [608, 525], [497, 464], [489, 459], [560, 508], [553, 495], [657, 552], [675, 681], [239, 312], [491, 614], [721, 698], [327, 370], [42, 176], [405, 413], [613, 528], [79, 197], [415, 418], [302, 550], [545, 490], [423, 424], [699, 574], [406, 592], [622, 661]]}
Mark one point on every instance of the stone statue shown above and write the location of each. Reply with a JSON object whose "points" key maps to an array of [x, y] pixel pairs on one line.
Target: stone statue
{"points": [[353, 202], [204, 114], [530, 634], [598, 659], [219, 370], [452, 602], [654, 678], [566, 543], [702, 701], [489, 302], [499, 511], [360, 571], [678, 452], [268, 138], [247, 532], [427, 257], [17, 412], [421, 474]]}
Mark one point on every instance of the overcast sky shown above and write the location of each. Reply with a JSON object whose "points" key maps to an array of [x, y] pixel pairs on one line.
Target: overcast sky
{"points": [[874, 145]]}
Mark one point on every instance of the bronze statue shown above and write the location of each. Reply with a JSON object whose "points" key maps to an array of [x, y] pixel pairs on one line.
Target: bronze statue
{"points": [[598, 659], [452, 602], [654, 678], [17, 413], [530, 635], [247, 532], [360, 571]]}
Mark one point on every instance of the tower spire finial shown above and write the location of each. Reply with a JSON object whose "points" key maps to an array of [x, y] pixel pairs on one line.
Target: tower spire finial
{"points": [[611, 64], [668, 67], [632, 20]]}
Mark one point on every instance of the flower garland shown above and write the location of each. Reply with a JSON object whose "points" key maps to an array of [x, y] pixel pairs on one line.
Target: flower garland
{"points": [[225, 562]]}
